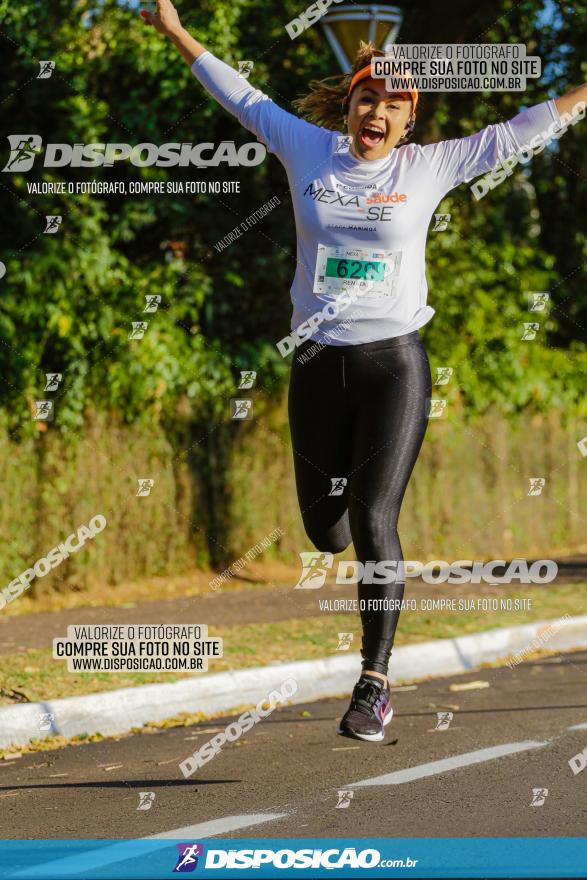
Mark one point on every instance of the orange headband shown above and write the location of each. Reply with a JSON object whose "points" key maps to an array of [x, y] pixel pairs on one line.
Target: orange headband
{"points": [[365, 73]]}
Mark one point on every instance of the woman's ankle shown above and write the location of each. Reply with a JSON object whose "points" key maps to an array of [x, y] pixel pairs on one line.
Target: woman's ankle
{"points": [[376, 675]]}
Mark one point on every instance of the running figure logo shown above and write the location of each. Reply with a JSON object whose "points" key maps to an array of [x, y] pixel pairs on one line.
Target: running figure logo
{"points": [[47, 68], [241, 409], [152, 302], [138, 329], [539, 795], [537, 484], [343, 143], [314, 570], [247, 379], [344, 641], [46, 719], [145, 487], [43, 410], [530, 331], [538, 301], [444, 719], [443, 375], [146, 800], [188, 857], [53, 380], [24, 149], [441, 222], [53, 222], [344, 799], [338, 485], [436, 408], [245, 68]]}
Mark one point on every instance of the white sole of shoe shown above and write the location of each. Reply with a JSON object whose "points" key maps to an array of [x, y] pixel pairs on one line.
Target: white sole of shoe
{"points": [[369, 737]]}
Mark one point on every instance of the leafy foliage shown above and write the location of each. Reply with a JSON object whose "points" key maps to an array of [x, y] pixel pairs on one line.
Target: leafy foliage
{"points": [[68, 300]]}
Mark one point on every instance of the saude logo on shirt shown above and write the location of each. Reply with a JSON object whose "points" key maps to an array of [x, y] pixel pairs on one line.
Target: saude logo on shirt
{"points": [[379, 202], [380, 208], [379, 198], [24, 149]]}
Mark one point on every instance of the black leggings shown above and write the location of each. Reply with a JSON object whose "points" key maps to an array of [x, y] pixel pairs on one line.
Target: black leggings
{"points": [[359, 412]]}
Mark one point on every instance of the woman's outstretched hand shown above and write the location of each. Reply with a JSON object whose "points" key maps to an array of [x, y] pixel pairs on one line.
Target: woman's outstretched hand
{"points": [[165, 20]]}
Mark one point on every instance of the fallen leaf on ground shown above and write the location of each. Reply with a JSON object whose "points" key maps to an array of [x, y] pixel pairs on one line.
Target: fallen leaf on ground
{"points": [[469, 686]]}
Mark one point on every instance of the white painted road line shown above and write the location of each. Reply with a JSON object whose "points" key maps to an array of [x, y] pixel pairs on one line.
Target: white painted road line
{"points": [[217, 826], [118, 852], [465, 760]]}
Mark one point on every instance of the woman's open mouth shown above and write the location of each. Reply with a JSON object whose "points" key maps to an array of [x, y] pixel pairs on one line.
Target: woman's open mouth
{"points": [[371, 136]]}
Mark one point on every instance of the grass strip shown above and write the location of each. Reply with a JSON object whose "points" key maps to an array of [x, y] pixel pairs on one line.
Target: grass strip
{"points": [[36, 674]]}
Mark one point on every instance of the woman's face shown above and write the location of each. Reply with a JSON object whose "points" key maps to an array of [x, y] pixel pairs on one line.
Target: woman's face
{"points": [[377, 119]]}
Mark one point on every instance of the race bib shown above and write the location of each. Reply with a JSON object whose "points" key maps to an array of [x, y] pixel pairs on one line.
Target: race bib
{"points": [[361, 270]]}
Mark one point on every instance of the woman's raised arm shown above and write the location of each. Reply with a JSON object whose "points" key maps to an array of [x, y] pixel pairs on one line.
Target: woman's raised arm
{"points": [[567, 103], [282, 132]]}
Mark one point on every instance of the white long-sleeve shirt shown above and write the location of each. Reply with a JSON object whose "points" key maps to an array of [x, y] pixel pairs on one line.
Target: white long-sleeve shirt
{"points": [[351, 212]]}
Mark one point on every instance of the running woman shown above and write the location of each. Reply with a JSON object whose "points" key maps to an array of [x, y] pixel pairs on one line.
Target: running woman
{"points": [[360, 380]]}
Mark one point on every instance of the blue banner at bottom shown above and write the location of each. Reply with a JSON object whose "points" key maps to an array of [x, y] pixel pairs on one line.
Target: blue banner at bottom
{"points": [[284, 858]]}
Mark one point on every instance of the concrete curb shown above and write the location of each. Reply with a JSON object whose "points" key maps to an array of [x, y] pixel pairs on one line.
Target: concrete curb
{"points": [[118, 711]]}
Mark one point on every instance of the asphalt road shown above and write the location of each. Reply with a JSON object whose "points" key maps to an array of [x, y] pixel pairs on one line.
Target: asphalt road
{"points": [[282, 778]]}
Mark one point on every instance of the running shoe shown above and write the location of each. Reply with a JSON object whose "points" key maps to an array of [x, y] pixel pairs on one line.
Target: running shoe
{"points": [[370, 710]]}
